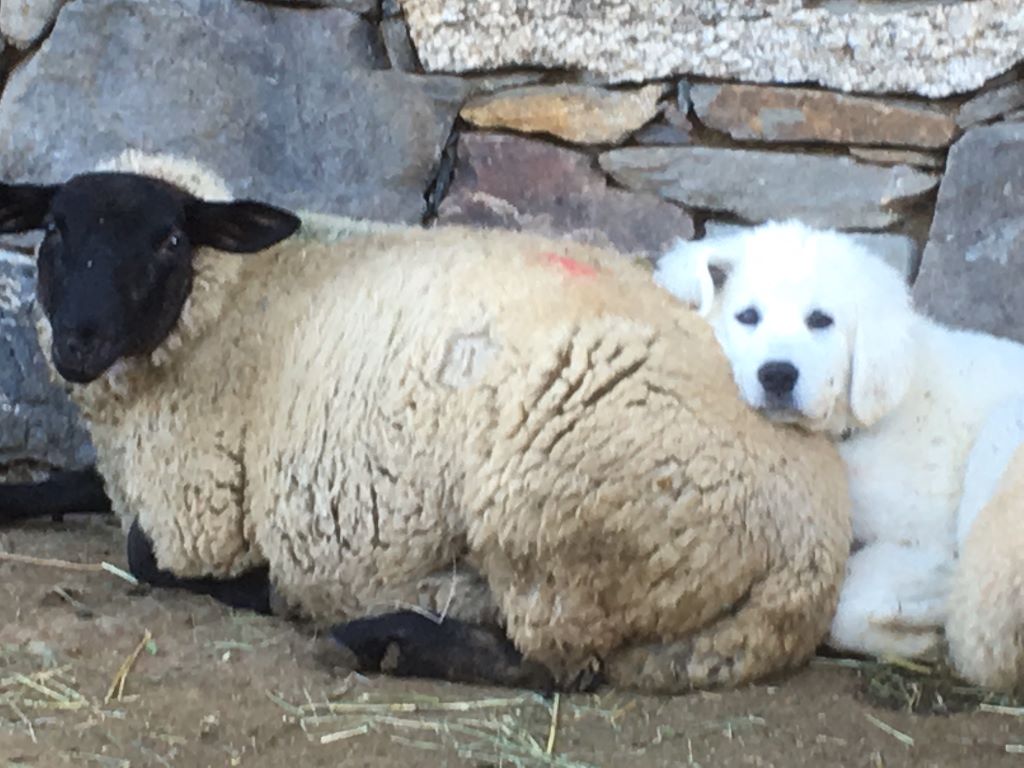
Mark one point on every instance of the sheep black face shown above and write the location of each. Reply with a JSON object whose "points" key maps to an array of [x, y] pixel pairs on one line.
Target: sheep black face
{"points": [[115, 265]]}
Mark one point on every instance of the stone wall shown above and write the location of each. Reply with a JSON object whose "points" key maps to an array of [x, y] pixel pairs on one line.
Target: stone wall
{"points": [[623, 122]]}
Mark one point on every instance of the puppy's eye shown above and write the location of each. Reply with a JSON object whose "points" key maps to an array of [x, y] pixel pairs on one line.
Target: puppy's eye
{"points": [[749, 316], [50, 229], [818, 320]]}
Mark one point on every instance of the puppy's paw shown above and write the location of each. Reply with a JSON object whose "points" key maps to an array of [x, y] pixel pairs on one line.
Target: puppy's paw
{"points": [[909, 614], [889, 628], [894, 602]]}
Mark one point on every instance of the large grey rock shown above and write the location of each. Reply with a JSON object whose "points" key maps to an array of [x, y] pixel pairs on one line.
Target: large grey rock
{"points": [[581, 114], [991, 104], [771, 113], [972, 271], [39, 427], [519, 183], [757, 186], [22, 22], [289, 106], [931, 48]]}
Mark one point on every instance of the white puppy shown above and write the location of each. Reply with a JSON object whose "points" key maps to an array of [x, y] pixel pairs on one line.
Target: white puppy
{"points": [[821, 333]]}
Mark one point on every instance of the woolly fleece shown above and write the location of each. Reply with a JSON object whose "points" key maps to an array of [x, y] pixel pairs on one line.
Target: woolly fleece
{"points": [[362, 415], [986, 606]]}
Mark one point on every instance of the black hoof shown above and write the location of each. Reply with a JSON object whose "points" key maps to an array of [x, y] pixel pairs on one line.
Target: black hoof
{"points": [[588, 679], [141, 559], [249, 591], [62, 493], [408, 644]]}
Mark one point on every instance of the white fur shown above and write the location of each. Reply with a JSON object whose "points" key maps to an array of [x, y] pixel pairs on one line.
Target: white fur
{"points": [[786, 271], [935, 413]]}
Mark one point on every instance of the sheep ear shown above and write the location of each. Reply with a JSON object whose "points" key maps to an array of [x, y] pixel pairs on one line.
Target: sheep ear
{"points": [[695, 272], [24, 206], [242, 226], [883, 353]]}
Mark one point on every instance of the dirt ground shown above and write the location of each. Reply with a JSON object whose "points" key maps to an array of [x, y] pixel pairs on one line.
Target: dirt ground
{"points": [[217, 688]]}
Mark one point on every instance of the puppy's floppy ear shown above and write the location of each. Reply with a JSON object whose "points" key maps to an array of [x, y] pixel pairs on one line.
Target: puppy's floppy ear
{"points": [[695, 272], [24, 206], [242, 226], [882, 362]]}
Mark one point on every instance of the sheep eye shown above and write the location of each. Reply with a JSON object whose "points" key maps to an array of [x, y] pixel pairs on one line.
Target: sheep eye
{"points": [[818, 320], [50, 228], [749, 316], [169, 244]]}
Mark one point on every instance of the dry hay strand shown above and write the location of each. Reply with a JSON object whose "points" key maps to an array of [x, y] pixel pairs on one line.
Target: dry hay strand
{"points": [[897, 734], [116, 689], [68, 565], [918, 688], [521, 730], [488, 729], [36, 693]]}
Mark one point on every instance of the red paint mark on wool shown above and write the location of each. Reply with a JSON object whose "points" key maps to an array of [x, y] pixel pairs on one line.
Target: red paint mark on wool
{"points": [[573, 267]]}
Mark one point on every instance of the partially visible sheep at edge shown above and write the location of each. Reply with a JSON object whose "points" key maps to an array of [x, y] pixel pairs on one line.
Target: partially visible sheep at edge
{"points": [[356, 416]]}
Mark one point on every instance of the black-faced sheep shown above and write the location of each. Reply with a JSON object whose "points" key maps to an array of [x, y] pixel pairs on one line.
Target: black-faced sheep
{"points": [[358, 416]]}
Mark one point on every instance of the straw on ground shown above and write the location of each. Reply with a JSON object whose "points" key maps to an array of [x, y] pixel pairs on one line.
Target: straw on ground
{"points": [[67, 565], [486, 729], [117, 684]]}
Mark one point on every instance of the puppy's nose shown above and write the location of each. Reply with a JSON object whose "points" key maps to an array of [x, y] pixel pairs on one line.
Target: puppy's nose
{"points": [[778, 377]]}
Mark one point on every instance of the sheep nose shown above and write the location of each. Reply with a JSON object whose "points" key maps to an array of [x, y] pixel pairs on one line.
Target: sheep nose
{"points": [[79, 348], [778, 377], [81, 344]]}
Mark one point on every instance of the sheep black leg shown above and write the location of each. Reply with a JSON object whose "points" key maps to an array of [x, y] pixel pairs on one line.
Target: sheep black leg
{"points": [[250, 590], [408, 644], [65, 492]]}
